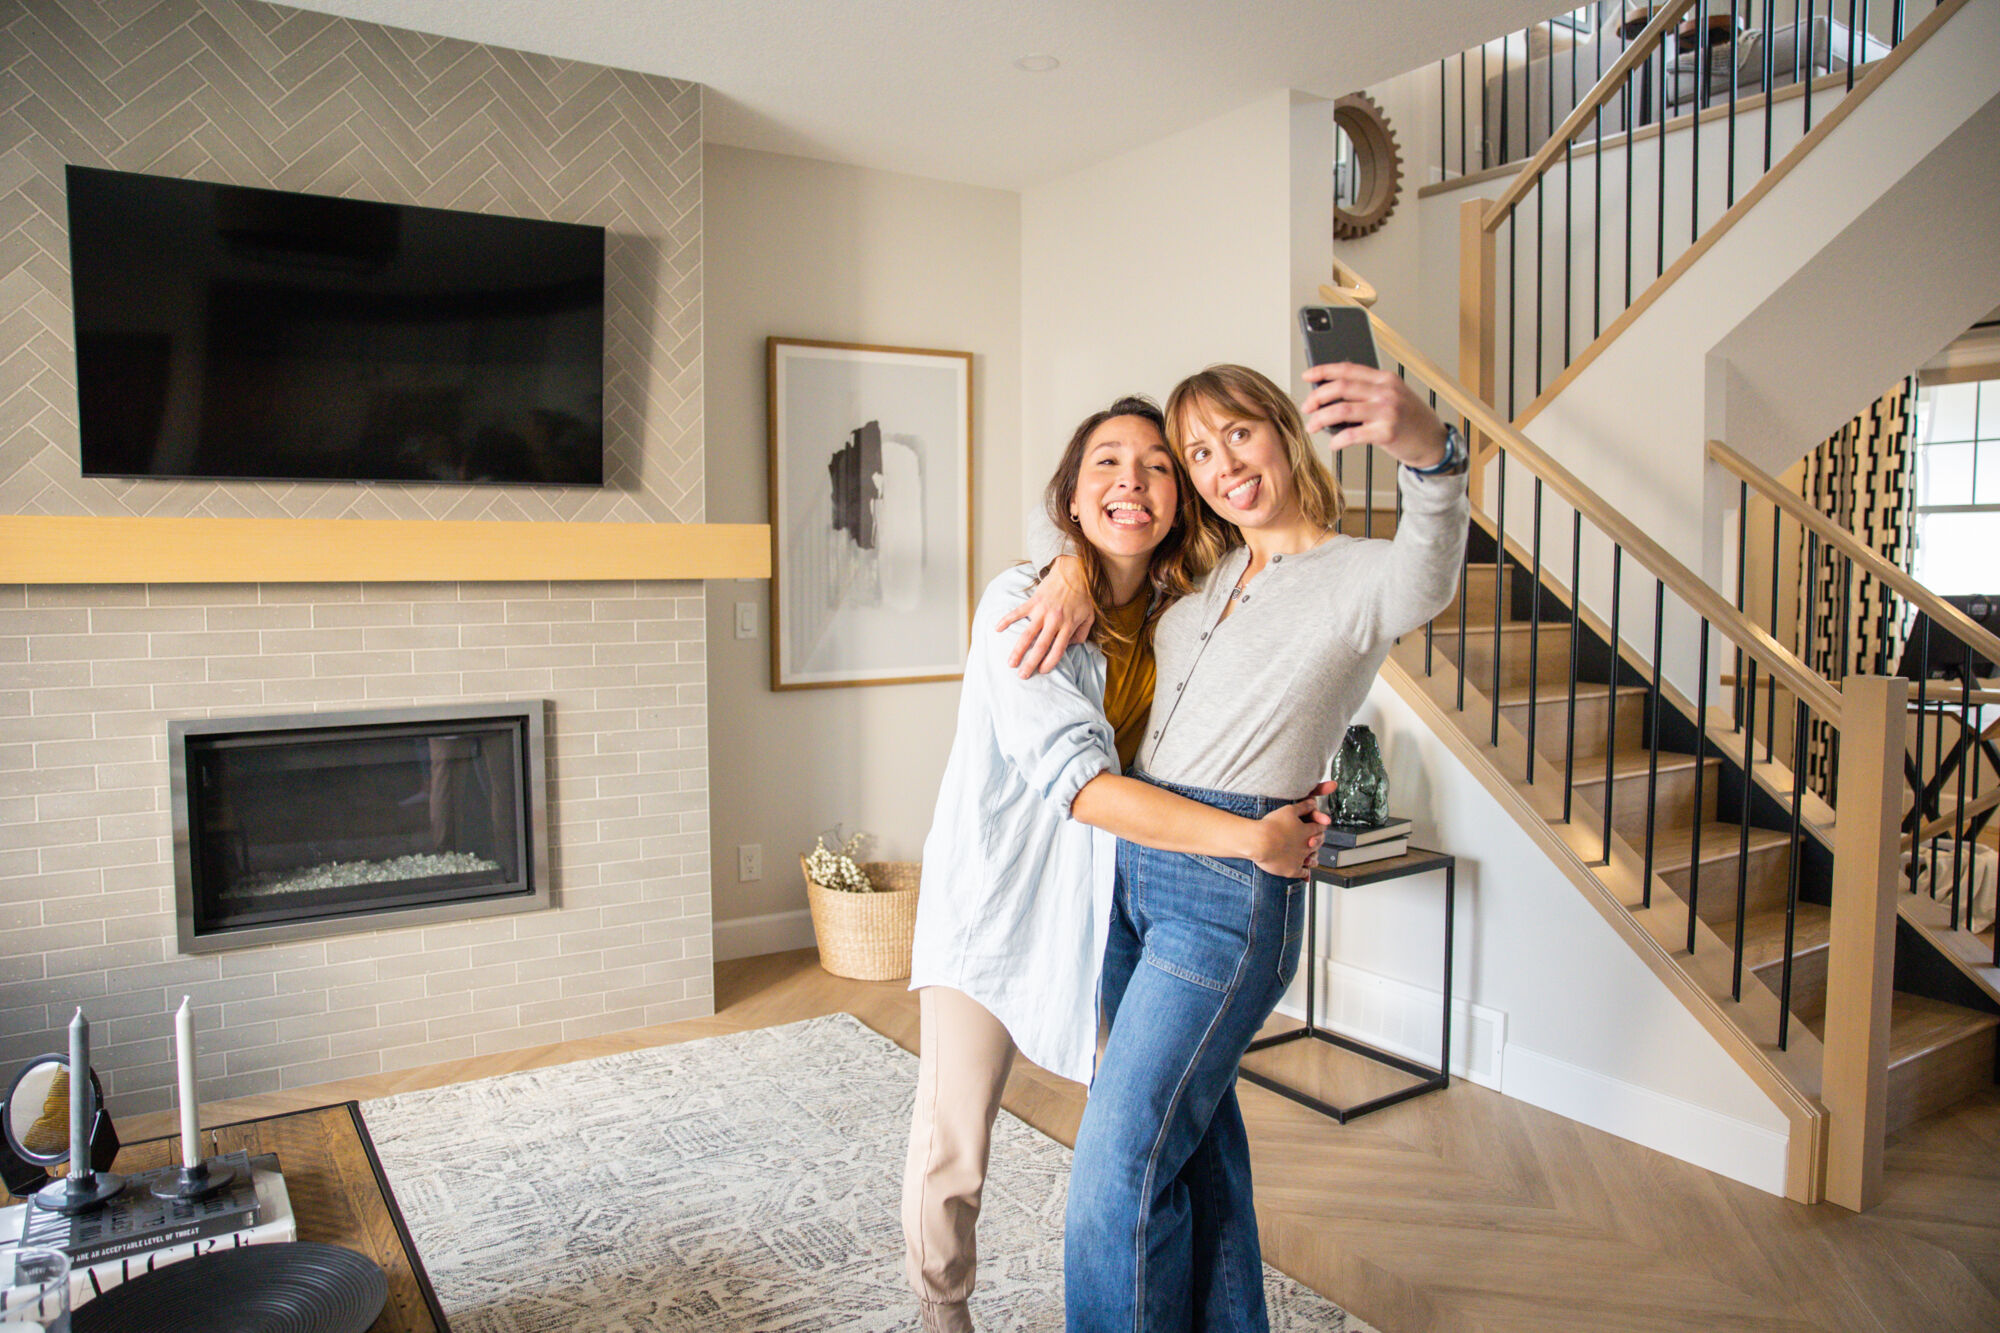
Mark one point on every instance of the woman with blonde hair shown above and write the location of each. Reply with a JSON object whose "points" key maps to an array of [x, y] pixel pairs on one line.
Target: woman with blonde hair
{"points": [[1016, 892], [1260, 670]]}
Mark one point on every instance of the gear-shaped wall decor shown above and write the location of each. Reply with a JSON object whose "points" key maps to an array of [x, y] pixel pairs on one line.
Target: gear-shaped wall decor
{"points": [[1378, 167]]}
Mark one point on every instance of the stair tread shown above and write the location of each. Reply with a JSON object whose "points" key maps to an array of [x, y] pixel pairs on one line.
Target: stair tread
{"points": [[1719, 842], [1919, 1025], [1764, 934], [1513, 696], [1636, 763]]}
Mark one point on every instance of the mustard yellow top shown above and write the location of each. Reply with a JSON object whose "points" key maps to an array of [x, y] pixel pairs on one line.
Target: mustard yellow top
{"points": [[1128, 678]]}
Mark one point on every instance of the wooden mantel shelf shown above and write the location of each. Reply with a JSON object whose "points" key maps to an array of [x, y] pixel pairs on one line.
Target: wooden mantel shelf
{"points": [[50, 549]]}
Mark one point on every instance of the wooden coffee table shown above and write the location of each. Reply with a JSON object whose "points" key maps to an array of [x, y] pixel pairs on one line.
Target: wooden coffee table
{"points": [[338, 1194]]}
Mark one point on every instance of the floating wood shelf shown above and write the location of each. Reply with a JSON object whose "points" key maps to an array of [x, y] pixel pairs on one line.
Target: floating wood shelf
{"points": [[52, 549]]}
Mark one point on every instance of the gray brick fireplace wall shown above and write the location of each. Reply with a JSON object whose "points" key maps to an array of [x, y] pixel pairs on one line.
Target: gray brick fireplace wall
{"points": [[255, 94]]}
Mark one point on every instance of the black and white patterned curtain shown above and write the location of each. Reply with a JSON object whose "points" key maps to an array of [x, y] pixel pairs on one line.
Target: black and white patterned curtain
{"points": [[1861, 478]]}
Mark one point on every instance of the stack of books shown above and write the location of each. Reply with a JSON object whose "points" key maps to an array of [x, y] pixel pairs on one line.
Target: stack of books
{"points": [[1357, 844], [135, 1232]]}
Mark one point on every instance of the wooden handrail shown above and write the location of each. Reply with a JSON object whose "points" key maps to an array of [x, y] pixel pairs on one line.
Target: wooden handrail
{"points": [[1948, 823], [1641, 48], [1802, 681], [1942, 613], [1353, 288]]}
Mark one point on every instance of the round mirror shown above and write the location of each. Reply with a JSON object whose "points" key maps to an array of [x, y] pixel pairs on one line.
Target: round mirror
{"points": [[1367, 169], [36, 1117]]}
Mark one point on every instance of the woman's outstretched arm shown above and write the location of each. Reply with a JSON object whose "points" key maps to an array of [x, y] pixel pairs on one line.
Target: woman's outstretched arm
{"points": [[1283, 842]]}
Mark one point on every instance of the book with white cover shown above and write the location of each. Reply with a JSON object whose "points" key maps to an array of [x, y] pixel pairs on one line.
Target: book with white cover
{"points": [[274, 1209]]}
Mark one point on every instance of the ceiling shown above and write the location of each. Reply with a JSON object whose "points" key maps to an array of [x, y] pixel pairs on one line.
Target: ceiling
{"points": [[932, 88]]}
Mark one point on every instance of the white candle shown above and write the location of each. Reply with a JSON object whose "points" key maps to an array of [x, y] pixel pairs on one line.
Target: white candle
{"points": [[79, 1097], [184, 1057]]}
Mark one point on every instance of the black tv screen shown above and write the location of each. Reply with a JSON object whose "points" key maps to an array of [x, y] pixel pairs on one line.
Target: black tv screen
{"points": [[228, 333]]}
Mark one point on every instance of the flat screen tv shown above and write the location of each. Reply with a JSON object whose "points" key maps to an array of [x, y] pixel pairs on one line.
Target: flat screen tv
{"points": [[228, 333]]}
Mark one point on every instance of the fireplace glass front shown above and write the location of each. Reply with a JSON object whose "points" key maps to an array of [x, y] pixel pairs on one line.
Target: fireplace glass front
{"points": [[309, 825]]}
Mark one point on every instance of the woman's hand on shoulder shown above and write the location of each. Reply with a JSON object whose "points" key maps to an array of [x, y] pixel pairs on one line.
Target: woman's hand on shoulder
{"points": [[1289, 837], [1363, 405], [1058, 614]]}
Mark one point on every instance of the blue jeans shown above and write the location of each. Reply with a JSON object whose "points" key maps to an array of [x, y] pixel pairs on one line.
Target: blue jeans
{"points": [[1161, 1234]]}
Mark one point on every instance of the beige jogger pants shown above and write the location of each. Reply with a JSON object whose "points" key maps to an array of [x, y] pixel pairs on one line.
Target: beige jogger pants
{"points": [[962, 1071]]}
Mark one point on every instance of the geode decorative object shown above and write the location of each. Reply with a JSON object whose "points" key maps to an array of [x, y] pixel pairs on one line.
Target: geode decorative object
{"points": [[1363, 795]]}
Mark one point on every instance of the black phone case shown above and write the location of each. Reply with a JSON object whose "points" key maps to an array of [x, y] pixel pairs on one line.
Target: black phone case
{"points": [[1349, 338]]}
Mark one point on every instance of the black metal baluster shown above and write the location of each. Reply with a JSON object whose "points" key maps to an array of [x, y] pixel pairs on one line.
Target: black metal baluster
{"points": [[1461, 113], [1850, 38], [1611, 700], [1653, 761], [1771, 714], [1792, 882], [1499, 586], [1743, 828], [1968, 752], [1735, 65], [1895, 40], [1484, 138], [1368, 481], [1701, 49], [1742, 552], [1464, 597], [1846, 669], [1923, 808], [1770, 73], [1812, 73], [1444, 130], [1506, 80], [1700, 773], [1660, 250], [1535, 631], [1631, 128], [1575, 630]]}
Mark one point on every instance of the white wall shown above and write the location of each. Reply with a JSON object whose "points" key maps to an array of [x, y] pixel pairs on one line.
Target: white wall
{"points": [[1146, 268], [808, 249]]}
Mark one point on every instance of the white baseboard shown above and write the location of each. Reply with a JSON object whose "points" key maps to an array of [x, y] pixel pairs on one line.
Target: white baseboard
{"points": [[1716, 1142], [748, 936], [1404, 1019]]}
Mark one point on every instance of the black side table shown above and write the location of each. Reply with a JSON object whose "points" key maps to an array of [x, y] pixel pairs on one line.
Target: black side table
{"points": [[1416, 861]]}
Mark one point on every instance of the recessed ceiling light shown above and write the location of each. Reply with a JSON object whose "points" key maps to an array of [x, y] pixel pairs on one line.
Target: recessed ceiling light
{"points": [[1037, 64]]}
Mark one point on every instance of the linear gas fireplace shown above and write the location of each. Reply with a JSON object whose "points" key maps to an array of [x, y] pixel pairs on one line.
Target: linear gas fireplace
{"points": [[322, 823]]}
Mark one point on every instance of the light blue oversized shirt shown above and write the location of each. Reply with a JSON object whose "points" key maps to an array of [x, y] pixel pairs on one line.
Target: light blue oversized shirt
{"points": [[1016, 897]]}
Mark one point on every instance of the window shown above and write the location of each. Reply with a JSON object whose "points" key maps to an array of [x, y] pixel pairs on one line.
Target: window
{"points": [[1957, 546]]}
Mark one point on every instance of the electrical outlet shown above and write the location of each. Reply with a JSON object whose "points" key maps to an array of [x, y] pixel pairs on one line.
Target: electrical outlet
{"points": [[749, 862], [746, 620]]}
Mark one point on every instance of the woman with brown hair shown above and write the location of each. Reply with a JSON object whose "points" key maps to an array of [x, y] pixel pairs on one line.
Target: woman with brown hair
{"points": [[1016, 889], [1260, 670]]}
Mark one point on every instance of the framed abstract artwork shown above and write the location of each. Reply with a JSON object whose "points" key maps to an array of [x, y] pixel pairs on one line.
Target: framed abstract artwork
{"points": [[871, 513]]}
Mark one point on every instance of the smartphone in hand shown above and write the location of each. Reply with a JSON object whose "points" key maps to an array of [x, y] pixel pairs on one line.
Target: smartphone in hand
{"points": [[1337, 333]]}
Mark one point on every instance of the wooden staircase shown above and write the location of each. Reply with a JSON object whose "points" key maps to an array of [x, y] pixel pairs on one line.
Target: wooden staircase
{"points": [[1939, 1052]]}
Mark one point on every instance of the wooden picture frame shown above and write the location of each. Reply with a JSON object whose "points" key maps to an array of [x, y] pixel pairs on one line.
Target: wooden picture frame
{"points": [[870, 458]]}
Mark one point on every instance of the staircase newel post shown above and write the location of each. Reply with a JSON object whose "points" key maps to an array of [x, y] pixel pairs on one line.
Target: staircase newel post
{"points": [[1476, 302], [1861, 951]]}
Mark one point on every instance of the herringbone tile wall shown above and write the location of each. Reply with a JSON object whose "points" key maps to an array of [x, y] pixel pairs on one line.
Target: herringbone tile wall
{"points": [[248, 93], [255, 94]]}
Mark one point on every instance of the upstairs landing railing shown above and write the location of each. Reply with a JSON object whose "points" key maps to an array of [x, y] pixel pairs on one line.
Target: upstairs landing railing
{"points": [[1555, 266], [1681, 612]]}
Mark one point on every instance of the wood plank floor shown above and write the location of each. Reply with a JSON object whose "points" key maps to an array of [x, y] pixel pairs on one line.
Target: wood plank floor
{"points": [[1464, 1210]]}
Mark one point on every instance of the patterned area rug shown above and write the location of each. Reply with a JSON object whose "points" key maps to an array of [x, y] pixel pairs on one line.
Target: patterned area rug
{"points": [[748, 1182]]}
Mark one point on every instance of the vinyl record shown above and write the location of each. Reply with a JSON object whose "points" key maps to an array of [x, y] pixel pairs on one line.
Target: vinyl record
{"points": [[291, 1287]]}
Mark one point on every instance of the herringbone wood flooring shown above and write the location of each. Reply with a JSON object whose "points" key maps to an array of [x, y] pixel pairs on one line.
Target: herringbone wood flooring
{"points": [[1463, 1210]]}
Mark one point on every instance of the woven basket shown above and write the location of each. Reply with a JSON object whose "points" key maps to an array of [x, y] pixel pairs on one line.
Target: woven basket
{"points": [[866, 936]]}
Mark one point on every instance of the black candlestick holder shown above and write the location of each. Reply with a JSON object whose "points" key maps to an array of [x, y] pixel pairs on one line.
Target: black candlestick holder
{"points": [[79, 1192], [196, 1182]]}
